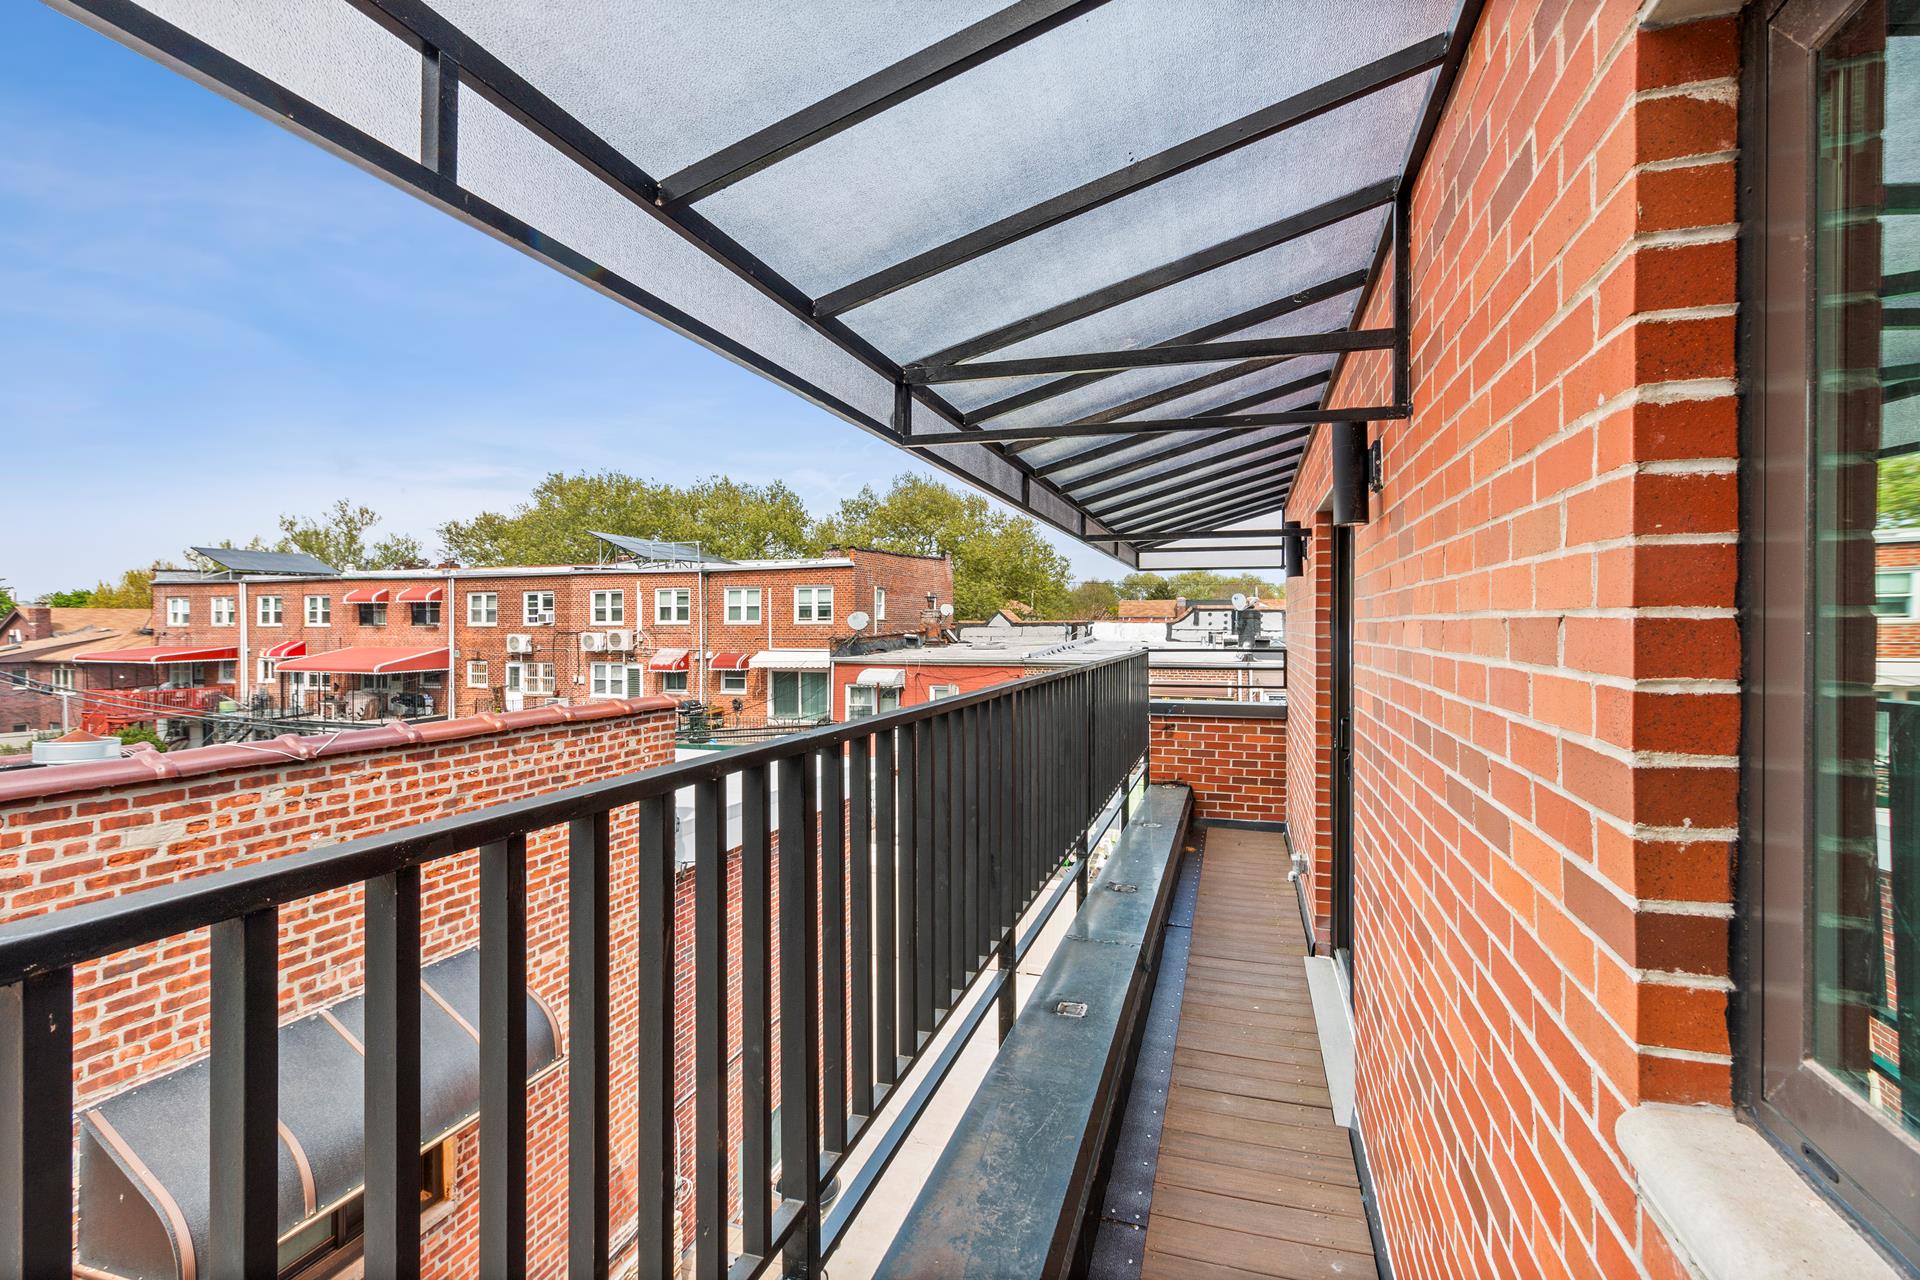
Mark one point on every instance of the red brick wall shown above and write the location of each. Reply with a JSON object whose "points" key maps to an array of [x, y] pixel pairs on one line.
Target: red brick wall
{"points": [[36, 710], [1893, 638], [91, 833], [1236, 766], [1546, 648]]}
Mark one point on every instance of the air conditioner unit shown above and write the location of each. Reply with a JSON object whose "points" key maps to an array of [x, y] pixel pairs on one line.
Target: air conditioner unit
{"points": [[592, 642], [619, 641], [519, 643]]}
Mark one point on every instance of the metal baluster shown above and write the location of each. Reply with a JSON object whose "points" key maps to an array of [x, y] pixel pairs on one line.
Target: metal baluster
{"points": [[955, 906], [36, 1125], [890, 1021], [907, 918], [860, 922], [799, 1014], [390, 1110], [756, 1018], [243, 1088], [833, 951], [710, 1032], [926, 950], [969, 808], [657, 1174], [503, 1057], [942, 906], [588, 966]]}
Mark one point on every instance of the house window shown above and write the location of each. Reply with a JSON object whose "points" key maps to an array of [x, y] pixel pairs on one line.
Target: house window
{"points": [[477, 674], [373, 615], [319, 611], [608, 680], [536, 608], [483, 608], [530, 677], [879, 604], [268, 611], [672, 604], [179, 611], [939, 691], [673, 682], [307, 1253], [870, 700], [426, 615], [63, 679], [269, 668], [609, 608], [813, 604], [1893, 595], [1831, 1059], [743, 604], [798, 695], [228, 672], [220, 611], [733, 682], [183, 675]]}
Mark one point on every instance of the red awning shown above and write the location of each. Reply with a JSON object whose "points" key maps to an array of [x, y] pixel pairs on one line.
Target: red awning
{"points": [[286, 649], [419, 593], [159, 654], [366, 595], [369, 660], [728, 661], [668, 660]]}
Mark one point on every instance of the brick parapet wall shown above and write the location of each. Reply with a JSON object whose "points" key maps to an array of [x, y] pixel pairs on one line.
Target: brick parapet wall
{"points": [[79, 833], [1546, 697], [1236, 764]]}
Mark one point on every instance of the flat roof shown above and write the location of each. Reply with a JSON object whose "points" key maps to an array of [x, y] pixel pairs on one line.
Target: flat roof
{"points": [[188, 577]]}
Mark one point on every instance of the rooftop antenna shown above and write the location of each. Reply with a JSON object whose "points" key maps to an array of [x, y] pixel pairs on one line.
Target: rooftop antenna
{"points": [[858, 620]]}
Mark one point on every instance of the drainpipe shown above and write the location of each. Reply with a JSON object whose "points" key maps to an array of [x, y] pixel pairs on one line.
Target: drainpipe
{"points": [[446, 618], [700, 656], [243, 676]]}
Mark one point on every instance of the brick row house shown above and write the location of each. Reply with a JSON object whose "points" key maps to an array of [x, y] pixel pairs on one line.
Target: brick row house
{"points": [[752, 639], [43, 651]]}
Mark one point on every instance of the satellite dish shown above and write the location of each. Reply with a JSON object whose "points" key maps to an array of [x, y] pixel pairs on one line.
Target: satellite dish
{"points": [[858, 620], [1239, 600], [946, 611]]}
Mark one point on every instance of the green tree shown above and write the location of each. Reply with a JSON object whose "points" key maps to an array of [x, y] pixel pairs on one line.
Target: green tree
{"points": [[79, 598], [132, 590], [339, 537], [141, 733], [1899, 483], [1205, 584], [997, 557], [555, 525], [1093, 599], [1145, 586], [6, 602]]}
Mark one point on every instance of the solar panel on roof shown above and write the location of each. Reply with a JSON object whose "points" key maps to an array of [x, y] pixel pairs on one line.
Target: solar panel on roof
{"points": [[241, 560], [655, 550]]}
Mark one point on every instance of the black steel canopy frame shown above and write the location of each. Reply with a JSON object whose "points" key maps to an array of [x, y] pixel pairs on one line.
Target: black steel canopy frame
{"points": [[1019, 462]]}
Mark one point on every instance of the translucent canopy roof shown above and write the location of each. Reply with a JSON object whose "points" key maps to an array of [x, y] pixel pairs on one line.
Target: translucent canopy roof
{"points": [[1101, 258]]}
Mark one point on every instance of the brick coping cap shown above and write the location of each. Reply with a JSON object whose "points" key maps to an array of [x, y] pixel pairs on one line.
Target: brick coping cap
{"points": [[154, 766]]}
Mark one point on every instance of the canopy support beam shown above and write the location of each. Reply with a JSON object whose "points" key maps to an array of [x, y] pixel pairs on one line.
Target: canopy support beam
{"points": [[1156, 426], [1154, 357]]}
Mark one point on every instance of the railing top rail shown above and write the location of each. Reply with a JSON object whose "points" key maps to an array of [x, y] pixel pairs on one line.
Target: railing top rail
{"points": [[70, 935]]}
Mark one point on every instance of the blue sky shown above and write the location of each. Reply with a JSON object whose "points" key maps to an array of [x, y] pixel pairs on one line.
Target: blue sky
{"points": [[206, 322]]}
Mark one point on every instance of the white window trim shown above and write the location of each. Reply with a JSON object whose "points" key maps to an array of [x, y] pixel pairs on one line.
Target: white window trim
{"points": [[1913, 577], [480, 663], [223, 617], [609, 607], [879, 604], [473, 599], [939, 691], [326, 611], [733, 682], [667, 606], [748, 609], [813, 606], [666, 677], [179, 611], [279, 604], [537, 608]]}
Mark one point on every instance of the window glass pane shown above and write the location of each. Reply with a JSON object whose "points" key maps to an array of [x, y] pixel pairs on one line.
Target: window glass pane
{"points": [[1865, 911], [813, 694]]}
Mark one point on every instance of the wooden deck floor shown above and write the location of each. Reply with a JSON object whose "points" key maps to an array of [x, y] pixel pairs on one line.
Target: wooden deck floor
{"points": [[1254, 1176]]}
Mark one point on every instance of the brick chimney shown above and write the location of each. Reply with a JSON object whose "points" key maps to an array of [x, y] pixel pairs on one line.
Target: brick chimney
{"points": [[37, 621]]}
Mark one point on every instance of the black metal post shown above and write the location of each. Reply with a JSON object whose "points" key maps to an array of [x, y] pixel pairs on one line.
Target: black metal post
{"points": [[588, 967], [243, 1175], [657, 1246], [391, 1102], [36, 1125], [503, 1057], [799, 1015]]}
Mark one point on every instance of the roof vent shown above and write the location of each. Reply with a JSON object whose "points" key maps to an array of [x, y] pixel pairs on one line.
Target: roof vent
{"points": [[78, 747]]}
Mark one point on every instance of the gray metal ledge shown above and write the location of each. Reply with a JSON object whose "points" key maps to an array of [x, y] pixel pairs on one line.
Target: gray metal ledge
{"points": [[1218, 710], [1010, 1193]]}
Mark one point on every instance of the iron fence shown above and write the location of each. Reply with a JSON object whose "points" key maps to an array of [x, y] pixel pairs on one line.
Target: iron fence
{"points": [[966, 810]]}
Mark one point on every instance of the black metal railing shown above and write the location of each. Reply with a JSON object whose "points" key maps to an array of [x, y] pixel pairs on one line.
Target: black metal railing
{"points": [[969, 807]]}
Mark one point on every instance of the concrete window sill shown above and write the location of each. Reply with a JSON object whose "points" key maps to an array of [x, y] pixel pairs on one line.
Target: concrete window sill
{"points": [[1731, 1207]]}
